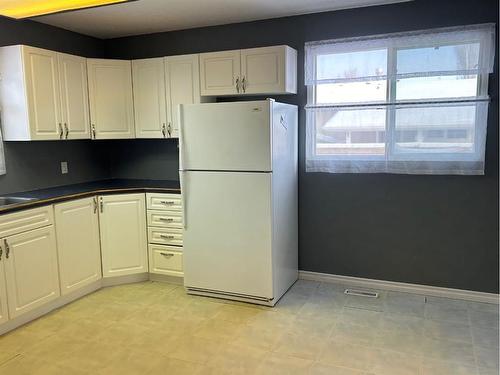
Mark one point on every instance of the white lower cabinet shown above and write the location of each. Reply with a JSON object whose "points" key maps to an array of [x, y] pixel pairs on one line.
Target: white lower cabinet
{"points": [[4, 309], [166, 260], [79, 252], [123, 234], [31, 273], [165, 233]]}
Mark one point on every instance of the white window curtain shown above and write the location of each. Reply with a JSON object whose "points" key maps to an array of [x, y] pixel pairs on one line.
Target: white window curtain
{"points": [[413, 102]]}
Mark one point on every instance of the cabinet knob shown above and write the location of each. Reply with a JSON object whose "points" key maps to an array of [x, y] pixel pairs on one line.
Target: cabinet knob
{"points": [[93, 131], [244, 84], [238, 85], [167, 255], [163, 130], [61, 132], [66, 129]]}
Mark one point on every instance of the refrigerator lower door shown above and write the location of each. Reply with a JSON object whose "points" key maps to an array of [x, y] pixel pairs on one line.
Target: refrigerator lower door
{"points": [[227, 235]]}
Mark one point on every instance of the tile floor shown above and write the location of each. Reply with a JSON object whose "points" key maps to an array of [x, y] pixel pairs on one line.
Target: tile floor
{"points": [[155, 328]]}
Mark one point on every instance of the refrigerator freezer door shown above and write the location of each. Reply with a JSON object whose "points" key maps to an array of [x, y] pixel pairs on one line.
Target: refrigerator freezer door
{"points": [[226, 136], [227, 235]]}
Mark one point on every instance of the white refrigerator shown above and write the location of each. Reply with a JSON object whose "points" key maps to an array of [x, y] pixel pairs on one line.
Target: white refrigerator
{"points": [[238, 174]]}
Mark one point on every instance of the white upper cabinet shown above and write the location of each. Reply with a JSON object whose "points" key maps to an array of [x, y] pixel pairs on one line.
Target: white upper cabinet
{"points": [[30, 94], [74, 96], [122, 220], [266, 70], [111, 99], [149, 98], [160, 85], [219, 73], [270, 70], [42, 86], [78, 247], [183, 87]]}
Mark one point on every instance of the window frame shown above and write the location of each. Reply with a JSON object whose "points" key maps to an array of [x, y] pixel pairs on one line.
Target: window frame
{"points": [[390, 123]]}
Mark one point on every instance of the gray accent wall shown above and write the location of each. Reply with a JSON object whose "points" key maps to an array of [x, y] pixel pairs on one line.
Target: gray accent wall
{"points": [[34, 165], [434, 230]]}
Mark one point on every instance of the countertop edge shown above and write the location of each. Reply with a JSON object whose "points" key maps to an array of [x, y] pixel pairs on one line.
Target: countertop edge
{"points": [[66, 197]]}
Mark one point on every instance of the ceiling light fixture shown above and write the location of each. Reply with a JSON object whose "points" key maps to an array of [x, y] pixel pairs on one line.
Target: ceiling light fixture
{"points": [[19, 9]]}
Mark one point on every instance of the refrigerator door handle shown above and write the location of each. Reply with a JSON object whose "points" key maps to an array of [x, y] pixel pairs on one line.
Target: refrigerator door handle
{"points": [[181, 139], [182, 181]]}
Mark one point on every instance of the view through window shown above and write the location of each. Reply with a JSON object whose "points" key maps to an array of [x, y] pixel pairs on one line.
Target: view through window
{"points": [[402, 103]]}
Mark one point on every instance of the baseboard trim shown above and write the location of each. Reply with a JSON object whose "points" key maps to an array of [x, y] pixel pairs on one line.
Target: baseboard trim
{"points": [[427, 290], [126, 279], [177, 280]]}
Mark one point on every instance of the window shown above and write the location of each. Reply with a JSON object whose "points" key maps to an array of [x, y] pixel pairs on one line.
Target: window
{"points": [[400, 103]]}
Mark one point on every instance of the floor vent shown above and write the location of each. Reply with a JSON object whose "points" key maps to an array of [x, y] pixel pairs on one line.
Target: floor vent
{"points": [[361, 293]]}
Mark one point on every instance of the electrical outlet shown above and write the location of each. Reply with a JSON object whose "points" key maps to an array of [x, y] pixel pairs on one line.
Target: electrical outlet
{"points": [[64, 167]]}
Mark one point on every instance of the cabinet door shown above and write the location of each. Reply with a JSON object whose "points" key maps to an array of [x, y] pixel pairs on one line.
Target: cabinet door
{"points": [[111, 99], [4, 312], [31, 270], [43, 93], [149, 98], [263, 70], [219, 72], [79, 252], [123, 234], [183, 87], [74, 96]]}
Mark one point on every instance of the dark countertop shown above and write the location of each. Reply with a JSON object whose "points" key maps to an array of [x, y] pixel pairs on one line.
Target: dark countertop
{"points": [[68, 192]]}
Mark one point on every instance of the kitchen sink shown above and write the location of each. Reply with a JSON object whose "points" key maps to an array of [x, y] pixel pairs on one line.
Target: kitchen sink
{"points": [[5, 201]]}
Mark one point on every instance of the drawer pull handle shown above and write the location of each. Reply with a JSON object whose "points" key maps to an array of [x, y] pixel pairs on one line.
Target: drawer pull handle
{"points": [[7, 248], [167, 219], [167, 202], [167, 255], [167, 237]]}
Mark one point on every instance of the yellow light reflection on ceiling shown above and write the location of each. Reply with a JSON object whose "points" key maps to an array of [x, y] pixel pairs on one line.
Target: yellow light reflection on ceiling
{"points": [[31, 8]]}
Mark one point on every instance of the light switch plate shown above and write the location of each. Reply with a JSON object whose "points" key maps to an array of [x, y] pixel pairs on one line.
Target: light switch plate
{"points": [[64, 167]]}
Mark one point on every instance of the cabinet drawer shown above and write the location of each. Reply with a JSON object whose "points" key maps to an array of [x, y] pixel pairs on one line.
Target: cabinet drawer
{"points": [[165, 219], [165, 260], [156, 201], [165, 236], [23, 221]]}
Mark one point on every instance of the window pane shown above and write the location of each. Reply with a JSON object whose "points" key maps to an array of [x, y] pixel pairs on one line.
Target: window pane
{"points": [[437, 129], [350, 131], [351, 92], [436, 87], [438, 59], [352, 65]]}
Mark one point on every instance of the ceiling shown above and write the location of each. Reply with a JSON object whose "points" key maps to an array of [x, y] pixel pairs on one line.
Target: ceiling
{"points": [[149, 16]]}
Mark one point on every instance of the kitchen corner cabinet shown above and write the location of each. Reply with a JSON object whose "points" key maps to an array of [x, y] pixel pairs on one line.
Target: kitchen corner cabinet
{"points": [[79, 252], [122, 221], [266, 70], [43, 94], [111, 99], [159, 86]]}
